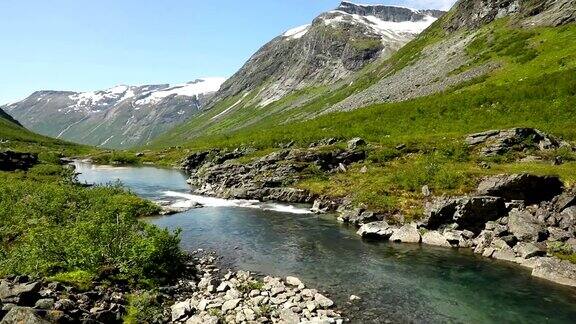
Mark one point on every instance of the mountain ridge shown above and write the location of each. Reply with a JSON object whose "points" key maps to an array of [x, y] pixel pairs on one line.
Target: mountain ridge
{"points": [[116, 117]]}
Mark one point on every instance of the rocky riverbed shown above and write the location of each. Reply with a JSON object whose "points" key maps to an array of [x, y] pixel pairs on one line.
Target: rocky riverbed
{"points": [[522, 218], [204, 295]]}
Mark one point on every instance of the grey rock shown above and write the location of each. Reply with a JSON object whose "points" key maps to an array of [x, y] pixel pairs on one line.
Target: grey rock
{"points": [[406, 234], [230, 305], [323, 301], [45, 303], [524, 227], [180, 310], [530, 188], [355, 143], [379, 229], [24, 315], [435, 238], [562, 272], [528, 250]]}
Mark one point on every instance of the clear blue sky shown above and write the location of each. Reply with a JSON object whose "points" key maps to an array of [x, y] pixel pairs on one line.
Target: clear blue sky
{"points": [[85, 45]]}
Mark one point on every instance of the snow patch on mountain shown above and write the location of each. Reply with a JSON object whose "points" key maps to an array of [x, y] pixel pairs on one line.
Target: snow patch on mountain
{"points": [[190, 89], [380, 26], [297, 32]]}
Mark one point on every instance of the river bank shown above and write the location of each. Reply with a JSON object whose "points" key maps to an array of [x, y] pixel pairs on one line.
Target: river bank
{"points": [[204, 294], [522, 218], [396, 282]]}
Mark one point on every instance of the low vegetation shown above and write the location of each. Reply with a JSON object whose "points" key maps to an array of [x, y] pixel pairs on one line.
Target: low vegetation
{"points": [[51, 226]]}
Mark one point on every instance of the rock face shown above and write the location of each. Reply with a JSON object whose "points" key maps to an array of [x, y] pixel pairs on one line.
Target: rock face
{"points": [[118, 117], [529, 188], [472, 14], [468, 213], [335, 45], [497, 142], [10, 161], [266, 178]]}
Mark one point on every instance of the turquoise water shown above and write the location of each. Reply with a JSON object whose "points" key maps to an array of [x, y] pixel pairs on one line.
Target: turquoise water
{"points": [[397, 282]]}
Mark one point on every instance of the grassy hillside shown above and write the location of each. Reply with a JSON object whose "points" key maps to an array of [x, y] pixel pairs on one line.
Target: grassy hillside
{"points": [[17, 138], [535, 87]]}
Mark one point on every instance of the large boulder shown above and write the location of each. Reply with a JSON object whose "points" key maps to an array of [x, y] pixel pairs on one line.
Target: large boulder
{"points": [[406, 234], [435, 238], [562, 272], [24, 294], [473, 212], [497, 142], [527, 187], [23, 315], [523, 225], [380, 229], [469, 213]]}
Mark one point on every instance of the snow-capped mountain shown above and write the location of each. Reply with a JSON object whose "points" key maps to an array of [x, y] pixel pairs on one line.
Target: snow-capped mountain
{"points": [[121, 116], [333, 46]]}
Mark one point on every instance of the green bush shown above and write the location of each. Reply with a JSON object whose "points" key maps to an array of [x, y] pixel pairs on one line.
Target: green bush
{"points": [[143, 308], [50, 226]]}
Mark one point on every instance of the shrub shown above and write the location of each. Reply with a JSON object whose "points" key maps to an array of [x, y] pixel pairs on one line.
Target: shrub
{"points": [[49, 226], [144, 307]]}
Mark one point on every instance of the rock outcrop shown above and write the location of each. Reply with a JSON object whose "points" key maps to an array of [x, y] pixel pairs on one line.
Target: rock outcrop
{"points": [[498, 142], [266, 178], [10, 161]]}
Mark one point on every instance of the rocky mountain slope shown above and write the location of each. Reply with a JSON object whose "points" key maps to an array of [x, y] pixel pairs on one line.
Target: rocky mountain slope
{"points": [[118, 117], [473, 41], [309, 60]]}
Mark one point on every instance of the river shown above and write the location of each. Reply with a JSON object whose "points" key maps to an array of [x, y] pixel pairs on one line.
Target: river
{"points": [[397, 282]]}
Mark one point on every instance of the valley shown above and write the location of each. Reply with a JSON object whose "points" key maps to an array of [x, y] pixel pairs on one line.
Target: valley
{"points": [[378, 164]]}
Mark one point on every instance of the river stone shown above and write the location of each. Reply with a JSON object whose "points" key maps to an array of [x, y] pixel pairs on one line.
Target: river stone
{"points": [[379, 229], [293, 281], [435, 238], [562, 272], [528, 250], [406, 234], [473, 212], [323, 301], [287, 316], [23, 315], [230, 305], [180, 310]]}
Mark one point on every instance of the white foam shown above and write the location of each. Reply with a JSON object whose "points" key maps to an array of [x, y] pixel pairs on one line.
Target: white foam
{"points": [[191, 199]]}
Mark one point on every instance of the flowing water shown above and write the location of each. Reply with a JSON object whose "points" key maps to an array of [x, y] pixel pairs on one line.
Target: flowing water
{"points": [[397, 282]]}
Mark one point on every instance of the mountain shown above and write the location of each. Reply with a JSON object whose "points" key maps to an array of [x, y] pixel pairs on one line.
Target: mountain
{"points": [[306, 61], [475, 44], [335, 45], [118, 117]]}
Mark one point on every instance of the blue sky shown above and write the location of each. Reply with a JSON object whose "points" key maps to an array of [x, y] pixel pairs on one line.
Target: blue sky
{"points": [[85, 45]]}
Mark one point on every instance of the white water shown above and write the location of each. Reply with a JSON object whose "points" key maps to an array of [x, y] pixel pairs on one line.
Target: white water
{"points": [[189, 200]]}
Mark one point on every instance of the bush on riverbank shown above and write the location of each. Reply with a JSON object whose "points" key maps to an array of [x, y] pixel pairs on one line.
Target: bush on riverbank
{"points": [[49, 225]]}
